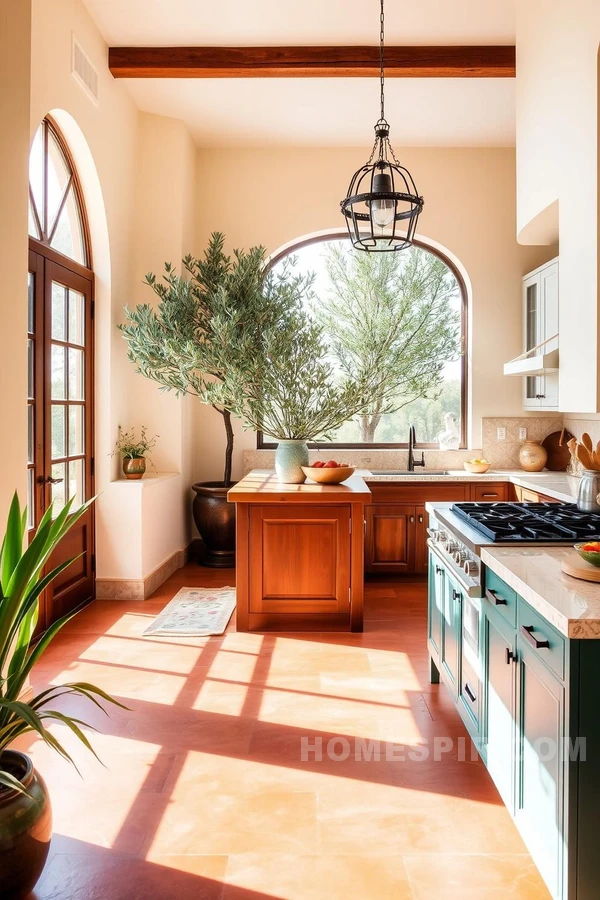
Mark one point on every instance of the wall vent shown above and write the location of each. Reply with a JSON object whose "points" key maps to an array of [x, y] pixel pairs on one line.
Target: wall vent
{"points": [[83, 71]]}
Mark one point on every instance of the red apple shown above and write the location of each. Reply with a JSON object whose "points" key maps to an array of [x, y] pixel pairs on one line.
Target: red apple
{"points": [[318, 464], [330, 464]]}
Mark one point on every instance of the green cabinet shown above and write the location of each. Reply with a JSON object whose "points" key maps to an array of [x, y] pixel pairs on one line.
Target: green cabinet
{"points": [[534, 719], [540, 770], [500, 697], [451, 619]]}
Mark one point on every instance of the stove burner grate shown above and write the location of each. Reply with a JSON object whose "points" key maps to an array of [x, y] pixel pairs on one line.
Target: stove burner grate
{"points": [[530, 522]]}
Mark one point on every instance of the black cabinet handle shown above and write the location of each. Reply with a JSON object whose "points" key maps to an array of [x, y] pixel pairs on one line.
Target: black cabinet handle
{"points": [[493, 596], [439, 570], [470, 693], [456, 595], [527, 632], [510, 656]]}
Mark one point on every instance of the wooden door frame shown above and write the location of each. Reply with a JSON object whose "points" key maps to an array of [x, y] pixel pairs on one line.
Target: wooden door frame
{"points": [[44, 262]]}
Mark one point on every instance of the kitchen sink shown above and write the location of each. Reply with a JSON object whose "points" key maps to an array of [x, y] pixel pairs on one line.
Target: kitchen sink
{"points": [[417, 472]]}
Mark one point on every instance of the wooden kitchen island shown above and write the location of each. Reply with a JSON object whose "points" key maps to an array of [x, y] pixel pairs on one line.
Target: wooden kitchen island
{"points": [[300, 554]]}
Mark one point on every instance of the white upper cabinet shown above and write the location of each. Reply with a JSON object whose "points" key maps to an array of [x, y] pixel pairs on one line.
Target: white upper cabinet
{"points": [[540, 323]]}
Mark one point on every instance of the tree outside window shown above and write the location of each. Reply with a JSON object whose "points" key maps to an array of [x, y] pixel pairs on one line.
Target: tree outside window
{"points": [[402, 311]]}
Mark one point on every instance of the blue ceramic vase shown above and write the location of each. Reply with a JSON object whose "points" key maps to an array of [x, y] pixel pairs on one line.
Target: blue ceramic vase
{"points": [[289, 457]]}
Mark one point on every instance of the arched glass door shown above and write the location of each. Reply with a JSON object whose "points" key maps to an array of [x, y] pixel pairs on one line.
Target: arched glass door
{"points": [[60, 352]]}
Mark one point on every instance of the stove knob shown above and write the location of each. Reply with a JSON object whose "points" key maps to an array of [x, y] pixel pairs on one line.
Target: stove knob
{"points": [[471, 567], [460, 556], [440, 537], [452, 546]]}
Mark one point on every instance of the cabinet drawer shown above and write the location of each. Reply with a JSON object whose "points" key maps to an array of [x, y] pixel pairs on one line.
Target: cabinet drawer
{"points": [[501, 597], [532, 629], [492, 491]]}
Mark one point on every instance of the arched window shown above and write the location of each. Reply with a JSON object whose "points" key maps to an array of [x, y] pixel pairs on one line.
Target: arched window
{"points": [[410, 306], [56, 216], [60, 340]]}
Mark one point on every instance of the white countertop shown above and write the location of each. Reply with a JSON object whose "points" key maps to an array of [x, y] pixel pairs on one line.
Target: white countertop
{"points": [[570, 604], [559, 485]]}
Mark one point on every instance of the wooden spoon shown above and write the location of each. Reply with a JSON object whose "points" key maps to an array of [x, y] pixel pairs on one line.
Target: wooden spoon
{"points": [[585, 457], [587, 442]]}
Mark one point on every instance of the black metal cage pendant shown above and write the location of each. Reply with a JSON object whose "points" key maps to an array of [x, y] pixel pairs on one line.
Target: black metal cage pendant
{"points": [[382, 205]]}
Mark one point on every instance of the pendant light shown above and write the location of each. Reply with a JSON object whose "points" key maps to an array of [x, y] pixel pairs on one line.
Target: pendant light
{"points": [[382, 193]]}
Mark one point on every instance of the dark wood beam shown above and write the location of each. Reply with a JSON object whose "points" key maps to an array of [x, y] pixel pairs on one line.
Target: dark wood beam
{"points": [[311, 62]]}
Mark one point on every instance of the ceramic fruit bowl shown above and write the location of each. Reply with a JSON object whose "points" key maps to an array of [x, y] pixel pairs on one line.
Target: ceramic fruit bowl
{"points": [[325, 475], [476, 466], [590, 551]]}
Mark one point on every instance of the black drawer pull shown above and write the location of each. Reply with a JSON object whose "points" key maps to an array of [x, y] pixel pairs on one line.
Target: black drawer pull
{"points": [[493, 596], [470, 693], [510, 656], [439, 570], [527, 632], [456, 595]]}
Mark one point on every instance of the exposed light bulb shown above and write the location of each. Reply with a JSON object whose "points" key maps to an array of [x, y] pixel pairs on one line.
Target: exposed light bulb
{"points": [[382, 211]]}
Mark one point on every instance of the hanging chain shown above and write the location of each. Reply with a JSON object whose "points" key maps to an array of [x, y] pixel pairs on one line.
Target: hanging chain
{"points": [[381, 69]]}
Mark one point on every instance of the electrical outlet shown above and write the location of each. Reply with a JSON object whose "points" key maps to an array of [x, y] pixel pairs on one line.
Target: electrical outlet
{"points": [[522, 434], [501, 434]]}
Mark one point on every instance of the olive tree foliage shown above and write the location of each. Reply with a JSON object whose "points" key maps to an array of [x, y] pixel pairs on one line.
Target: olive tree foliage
{"points": [[240, 338], [391, 313]]}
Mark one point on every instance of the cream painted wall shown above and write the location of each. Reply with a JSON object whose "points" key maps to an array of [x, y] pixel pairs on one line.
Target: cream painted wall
{"points": [[15, 26], [557, 172], [271, 197]]}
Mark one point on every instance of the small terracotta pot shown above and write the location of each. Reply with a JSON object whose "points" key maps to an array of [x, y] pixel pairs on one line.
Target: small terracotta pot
{"points": [[134, 468], [25, 828], [532, 456]]}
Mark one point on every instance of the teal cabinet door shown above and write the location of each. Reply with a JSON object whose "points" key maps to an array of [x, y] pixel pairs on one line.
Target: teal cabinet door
{"points": [[500, 698], [436, 588], [540, 814], [451, 634]]}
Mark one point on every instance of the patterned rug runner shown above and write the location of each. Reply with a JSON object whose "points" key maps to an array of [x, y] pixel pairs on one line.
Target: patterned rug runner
{"points": [[195, 611]]}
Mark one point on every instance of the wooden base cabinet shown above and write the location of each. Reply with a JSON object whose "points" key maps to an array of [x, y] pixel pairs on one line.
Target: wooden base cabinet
{"points": [[540, 729], [300, 554], [396, 521]]}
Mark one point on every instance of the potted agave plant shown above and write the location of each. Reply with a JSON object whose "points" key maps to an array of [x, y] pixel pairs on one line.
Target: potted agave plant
{"points": [[133, 451], [25, 810]]}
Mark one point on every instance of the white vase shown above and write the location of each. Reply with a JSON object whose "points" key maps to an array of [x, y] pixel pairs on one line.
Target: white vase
{"points": [[289, 457]]}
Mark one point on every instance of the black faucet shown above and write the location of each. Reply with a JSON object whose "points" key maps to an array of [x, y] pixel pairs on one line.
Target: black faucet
{"points": [[412, 440]]}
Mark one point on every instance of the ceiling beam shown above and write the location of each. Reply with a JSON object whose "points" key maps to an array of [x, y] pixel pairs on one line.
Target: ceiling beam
{"points": [[311, 62]]}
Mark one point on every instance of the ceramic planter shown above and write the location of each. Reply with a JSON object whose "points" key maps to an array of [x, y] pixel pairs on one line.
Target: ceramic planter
{"points": [[532, 456], [25, 828], [215, 520], [290, 456], [134, 468]]}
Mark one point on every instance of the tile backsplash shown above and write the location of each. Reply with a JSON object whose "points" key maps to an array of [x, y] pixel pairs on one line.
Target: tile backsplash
{"points": [[501, 454], [505, 454]]}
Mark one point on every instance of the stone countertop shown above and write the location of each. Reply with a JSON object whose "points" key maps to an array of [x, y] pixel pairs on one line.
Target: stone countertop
{"points": [[535, 573], [558, 485]]}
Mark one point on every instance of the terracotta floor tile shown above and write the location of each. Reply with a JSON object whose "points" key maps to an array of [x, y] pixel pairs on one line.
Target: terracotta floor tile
{"points": [[205, 793], [492, 877], [317, 877]]}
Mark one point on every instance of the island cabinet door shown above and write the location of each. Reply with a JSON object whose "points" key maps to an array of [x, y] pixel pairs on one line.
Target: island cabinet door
{"points": [[500, 682], [390, 538], [541, 765], [300, 559]]}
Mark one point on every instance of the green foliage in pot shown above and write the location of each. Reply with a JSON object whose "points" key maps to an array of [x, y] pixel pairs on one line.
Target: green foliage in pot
{"points": [[22, 582], [208, 323], [132, 447], [239, 336]]}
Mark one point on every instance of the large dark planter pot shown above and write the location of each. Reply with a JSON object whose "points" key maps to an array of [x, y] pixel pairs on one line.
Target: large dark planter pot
{"points": [[215, 520], [25, 828]]}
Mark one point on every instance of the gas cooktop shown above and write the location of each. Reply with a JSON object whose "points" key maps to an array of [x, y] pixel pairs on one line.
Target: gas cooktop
{"points": [[530, 522]]}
